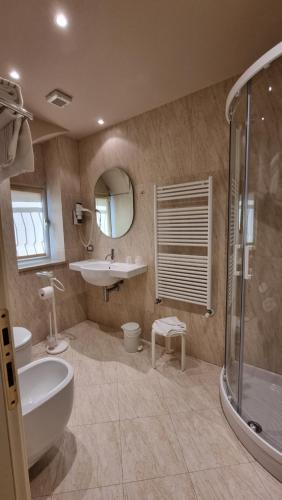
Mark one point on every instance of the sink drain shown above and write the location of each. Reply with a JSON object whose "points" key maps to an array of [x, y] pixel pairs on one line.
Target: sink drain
{"points": [[255, 426]]}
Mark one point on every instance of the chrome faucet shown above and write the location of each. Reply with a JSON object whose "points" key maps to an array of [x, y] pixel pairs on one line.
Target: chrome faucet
{"points": [[111, 255]]}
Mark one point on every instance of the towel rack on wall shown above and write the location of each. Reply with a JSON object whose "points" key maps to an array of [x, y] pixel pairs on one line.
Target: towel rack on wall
{"points": [[183, 218], [15, 107]]}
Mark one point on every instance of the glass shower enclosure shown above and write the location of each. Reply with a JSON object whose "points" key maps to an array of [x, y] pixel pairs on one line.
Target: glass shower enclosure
{"points": [[251, 386]]}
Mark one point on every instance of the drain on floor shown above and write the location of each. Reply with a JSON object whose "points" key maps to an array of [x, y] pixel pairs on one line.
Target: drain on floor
{"points": [[255, 426]]}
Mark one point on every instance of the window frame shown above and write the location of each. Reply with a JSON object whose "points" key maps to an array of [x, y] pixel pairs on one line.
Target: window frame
{"points": [[42, 191]]}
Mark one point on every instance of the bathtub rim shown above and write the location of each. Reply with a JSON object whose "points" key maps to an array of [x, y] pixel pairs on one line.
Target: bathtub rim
{"points": [[29, 407]]}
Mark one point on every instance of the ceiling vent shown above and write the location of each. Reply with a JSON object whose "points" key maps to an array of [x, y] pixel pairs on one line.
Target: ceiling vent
{"points": [[59, 98]]}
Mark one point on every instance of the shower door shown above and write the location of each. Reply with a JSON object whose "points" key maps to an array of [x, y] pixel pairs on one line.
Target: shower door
{"points": [[253, 364], [261, 361], [234, 305]]}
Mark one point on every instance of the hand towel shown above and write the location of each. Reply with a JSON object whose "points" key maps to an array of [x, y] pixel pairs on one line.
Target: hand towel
{"points": [[8, 139], [21, 145]]}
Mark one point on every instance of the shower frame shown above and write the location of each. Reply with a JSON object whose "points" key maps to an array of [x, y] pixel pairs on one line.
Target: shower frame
{"points": [[260, 448]]}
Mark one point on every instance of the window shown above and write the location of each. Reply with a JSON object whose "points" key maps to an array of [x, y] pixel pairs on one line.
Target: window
{"points": [[104, 214], [30, 222]]}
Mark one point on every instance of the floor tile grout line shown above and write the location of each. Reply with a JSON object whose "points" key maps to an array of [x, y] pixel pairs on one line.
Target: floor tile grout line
{"points": [[125, 483], [151, 478], [185, 474], [223, 466], [93, 423], [123, 491], [251, 464], [159, 476], [182, 452], [120, 438], [169, 413], [174, 429], [180, 447], [53, 495], [155, 477], [202, 470], [159, 395]]}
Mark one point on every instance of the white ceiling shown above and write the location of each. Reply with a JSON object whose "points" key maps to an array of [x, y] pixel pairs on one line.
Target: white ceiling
{"points": [[119, 58]]}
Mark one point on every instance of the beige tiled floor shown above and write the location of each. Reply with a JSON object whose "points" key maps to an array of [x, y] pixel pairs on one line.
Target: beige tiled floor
{"points": [[142, 434]]}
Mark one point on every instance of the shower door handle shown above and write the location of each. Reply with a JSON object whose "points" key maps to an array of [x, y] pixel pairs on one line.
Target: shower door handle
{"points": [[237, 272], [247, 274]]}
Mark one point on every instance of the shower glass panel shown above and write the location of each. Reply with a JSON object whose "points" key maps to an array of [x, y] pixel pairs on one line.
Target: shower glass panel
{"points": [[261, 357], [235, 245], [251, 381]]}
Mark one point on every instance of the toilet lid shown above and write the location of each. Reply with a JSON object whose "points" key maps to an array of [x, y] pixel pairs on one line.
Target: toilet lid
{"points": [[21, 336]]}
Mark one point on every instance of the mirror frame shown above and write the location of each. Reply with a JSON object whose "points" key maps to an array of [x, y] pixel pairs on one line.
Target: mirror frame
{"points": [[133, 204]]}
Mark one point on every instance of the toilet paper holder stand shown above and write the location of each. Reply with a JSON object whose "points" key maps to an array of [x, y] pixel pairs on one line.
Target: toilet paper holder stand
{"points": [[54, 344]]}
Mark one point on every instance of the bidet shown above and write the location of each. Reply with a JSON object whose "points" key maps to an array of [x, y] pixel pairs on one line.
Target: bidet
{"points": [[46, 390]]}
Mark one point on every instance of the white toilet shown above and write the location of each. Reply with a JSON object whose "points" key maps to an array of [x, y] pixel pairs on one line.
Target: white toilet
{"points": [[22, 341]]}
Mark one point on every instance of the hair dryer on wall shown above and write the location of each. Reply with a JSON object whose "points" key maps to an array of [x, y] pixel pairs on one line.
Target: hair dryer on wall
{"points": [[78, 213], [79, 218]]}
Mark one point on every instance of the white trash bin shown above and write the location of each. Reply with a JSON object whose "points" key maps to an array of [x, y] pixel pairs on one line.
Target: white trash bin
{"points": [[132, 332]]}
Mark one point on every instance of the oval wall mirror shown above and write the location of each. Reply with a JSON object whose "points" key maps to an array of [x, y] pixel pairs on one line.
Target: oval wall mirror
{"points": [[114, 202]]}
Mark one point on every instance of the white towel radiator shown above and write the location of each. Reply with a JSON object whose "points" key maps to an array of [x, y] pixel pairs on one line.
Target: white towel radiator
{"points": [[183, 218]]}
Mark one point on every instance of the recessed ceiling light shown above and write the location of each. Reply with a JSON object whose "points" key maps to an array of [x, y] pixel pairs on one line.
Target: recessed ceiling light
{"points": [[100, 121], [14, 74], [269, 88], [262, 118], [61, 20]]}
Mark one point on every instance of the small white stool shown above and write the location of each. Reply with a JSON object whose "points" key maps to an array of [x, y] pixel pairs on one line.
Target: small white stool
{"points": [[168, 345]]}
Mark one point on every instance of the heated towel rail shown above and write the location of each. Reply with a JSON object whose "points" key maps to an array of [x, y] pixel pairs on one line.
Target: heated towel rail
{"points": [[183, 220]]}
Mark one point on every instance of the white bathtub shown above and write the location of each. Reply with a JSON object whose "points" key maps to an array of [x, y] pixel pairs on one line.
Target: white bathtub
{"points": [[46, 388]]}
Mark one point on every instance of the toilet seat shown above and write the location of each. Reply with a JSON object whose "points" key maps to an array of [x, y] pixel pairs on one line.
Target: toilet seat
{"points": [[22, 337]]}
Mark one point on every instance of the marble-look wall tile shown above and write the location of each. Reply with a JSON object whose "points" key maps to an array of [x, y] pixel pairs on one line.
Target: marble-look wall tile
{"points": [[183, 141], [26, 309]]}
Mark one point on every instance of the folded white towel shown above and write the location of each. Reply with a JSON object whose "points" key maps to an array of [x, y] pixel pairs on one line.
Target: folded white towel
{"points": [[173, 320], [169, 326]]}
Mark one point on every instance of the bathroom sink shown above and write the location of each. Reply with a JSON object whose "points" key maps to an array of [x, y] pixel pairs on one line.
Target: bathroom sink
{"points": [[104, 273], [96, 273]]}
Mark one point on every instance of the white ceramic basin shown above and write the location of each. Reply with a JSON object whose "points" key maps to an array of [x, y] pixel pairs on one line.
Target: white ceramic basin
{"points": [[105, 273]]}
